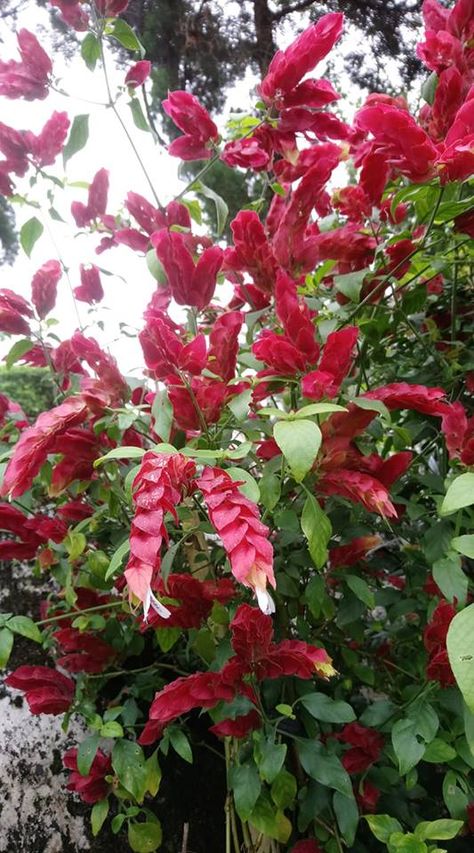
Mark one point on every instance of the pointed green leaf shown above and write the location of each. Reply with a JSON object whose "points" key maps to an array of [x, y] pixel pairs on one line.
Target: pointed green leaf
{"points": [[78, 136], [459, 495], [90, 50], [317, 529], [460, 645], [299, 441], [30, 232], [99, 813]]}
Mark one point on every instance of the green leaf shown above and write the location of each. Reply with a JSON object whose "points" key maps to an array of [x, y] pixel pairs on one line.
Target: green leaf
{"points": [[460, 645], [449, 576], [124, 34], [270, 488], [464, 545], [222, 210], [162, 414], [361, 590], [401, 842], [455, 798], [167, 561], [326, 709], [117, 559], [438, 830], [460, 494], [273, 824], [428, 88], [377, 714], [299, 441], [99, 813], [19, 349], [347, 816], [439, 752], [6, 645], [155, 267], [406, 745], [250, 487], [272, 757], [138, 116], [75, 544], [90, 50], [239, 405], [153, 778], [26, 627], [181, 745], [145, 837], [317, 409], [324, 768], [382, 826], [350, 284], [111, 729], [284, 789], [86, 753], [30, 232], [129, 764], [372, 406], [246, 785], [125, 452], [78, 136], [317, 529]]}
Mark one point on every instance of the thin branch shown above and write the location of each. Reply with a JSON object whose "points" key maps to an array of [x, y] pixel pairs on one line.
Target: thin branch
{"points": [[288, 10]]}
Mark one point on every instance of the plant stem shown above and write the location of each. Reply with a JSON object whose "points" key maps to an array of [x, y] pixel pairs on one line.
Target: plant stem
{"points": [[75, 613], [119, 672]]}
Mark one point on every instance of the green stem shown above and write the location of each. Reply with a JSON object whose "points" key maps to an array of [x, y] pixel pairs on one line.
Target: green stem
{"points": [[73, 614], [151, 666]]}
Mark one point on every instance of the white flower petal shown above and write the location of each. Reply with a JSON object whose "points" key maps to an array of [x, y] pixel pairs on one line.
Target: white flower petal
{"points": [[265, 601]]}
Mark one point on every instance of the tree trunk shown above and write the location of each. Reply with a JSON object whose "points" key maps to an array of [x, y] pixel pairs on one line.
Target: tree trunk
{"points": [[265, 45]]}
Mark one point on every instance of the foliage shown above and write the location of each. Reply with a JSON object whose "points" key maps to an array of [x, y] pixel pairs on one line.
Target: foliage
{"points": [[31, 387], [272, 532]]}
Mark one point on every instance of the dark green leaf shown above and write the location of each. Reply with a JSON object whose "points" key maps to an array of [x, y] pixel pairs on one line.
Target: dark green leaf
{"points": [[317, 529], [26, 627], [30, 232], [406, 745], [86, 753], [144, 837], [322, 707], [323, 767], [78, 136], [271, 759], [347, 815], [181, 745], [284, 789], [138, 116], [449, 576], [299, 441], [99, 813], [129, 764], [90, 50], [361, 589], [246, 785], [6, 645]]}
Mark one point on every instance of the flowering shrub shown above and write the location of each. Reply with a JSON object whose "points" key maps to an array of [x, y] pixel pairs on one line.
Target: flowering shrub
{"points": [[276, 522]]}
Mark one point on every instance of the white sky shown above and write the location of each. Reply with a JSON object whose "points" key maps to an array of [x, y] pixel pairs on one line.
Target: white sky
{"points": [[107, 147]]}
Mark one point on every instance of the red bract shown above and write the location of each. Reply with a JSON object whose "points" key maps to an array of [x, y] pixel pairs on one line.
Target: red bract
{"points": [[224, 345], [93, 787], [288, 67], [239, 727], [195, 598], [256, 654], [164, 350], [296, 318], [157, 489], [46, 146], [73, 13], [195, 122], [84, 214], [405, 146], [418, 398], [46, 690], [138, 73], [252, 252], [90, 289], [308, 846], [110, 8], [28, 78], [357, 549], [190, 283], [244, 537], [36, 442], [13, 310], [434, 638], [336, 361], [79, 447], [111, 381], [360, 488], [367, 797], [366, 744], [85, 652], [44, 287]]}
